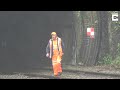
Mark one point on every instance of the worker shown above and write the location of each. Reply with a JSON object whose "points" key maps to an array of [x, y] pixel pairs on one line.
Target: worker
{"points": [[54, 51]]}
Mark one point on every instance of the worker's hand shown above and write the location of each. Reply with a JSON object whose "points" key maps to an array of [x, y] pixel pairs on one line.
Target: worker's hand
{"points": [[61, 54], [50, 57], [47, 55], [59, 61]]}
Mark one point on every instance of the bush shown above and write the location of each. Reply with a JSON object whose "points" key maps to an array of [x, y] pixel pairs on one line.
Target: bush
{"points": [[116, 62], [107, 60], [118, 49]]}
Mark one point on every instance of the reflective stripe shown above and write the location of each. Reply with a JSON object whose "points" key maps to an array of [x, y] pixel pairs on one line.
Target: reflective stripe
{"points": [[58, 41], [50, 48], [59, 46], [56, 62], [59, 61]]}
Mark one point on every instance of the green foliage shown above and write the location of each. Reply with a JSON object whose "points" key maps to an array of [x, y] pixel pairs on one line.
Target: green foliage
{"points": [[116, 62], [118, 49], [107, 59]]}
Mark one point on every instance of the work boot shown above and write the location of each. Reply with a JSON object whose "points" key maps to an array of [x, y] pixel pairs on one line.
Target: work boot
{"points": [[60, 73], [57, 77]]}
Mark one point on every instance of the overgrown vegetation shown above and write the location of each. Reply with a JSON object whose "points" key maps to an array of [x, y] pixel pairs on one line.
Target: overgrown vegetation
{"points": [[108, 60], [107, 36]]}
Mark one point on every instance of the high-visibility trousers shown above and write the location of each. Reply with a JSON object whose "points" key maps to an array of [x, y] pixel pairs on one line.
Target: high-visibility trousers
{"points": [[56, 62]]}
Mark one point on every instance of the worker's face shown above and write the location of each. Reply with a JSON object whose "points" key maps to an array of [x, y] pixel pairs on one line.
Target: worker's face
{"points": [[54, 36]]}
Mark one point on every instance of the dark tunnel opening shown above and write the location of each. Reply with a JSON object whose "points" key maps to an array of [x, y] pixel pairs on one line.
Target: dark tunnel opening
{"points": [[24, 36]]}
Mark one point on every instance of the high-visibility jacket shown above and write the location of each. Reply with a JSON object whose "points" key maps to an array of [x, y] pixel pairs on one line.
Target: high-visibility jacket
{"points": [[56, 55], [58, 42]]}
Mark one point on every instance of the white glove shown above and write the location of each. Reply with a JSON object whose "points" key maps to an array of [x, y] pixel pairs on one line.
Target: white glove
{"points": [[50, 57], [47, 55]]}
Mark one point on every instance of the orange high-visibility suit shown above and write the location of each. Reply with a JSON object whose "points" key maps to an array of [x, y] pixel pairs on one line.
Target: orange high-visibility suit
{"points": [[56, 56]]}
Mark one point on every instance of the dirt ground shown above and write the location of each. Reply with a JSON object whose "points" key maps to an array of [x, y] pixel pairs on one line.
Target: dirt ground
{"points": [[69, 72]]}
